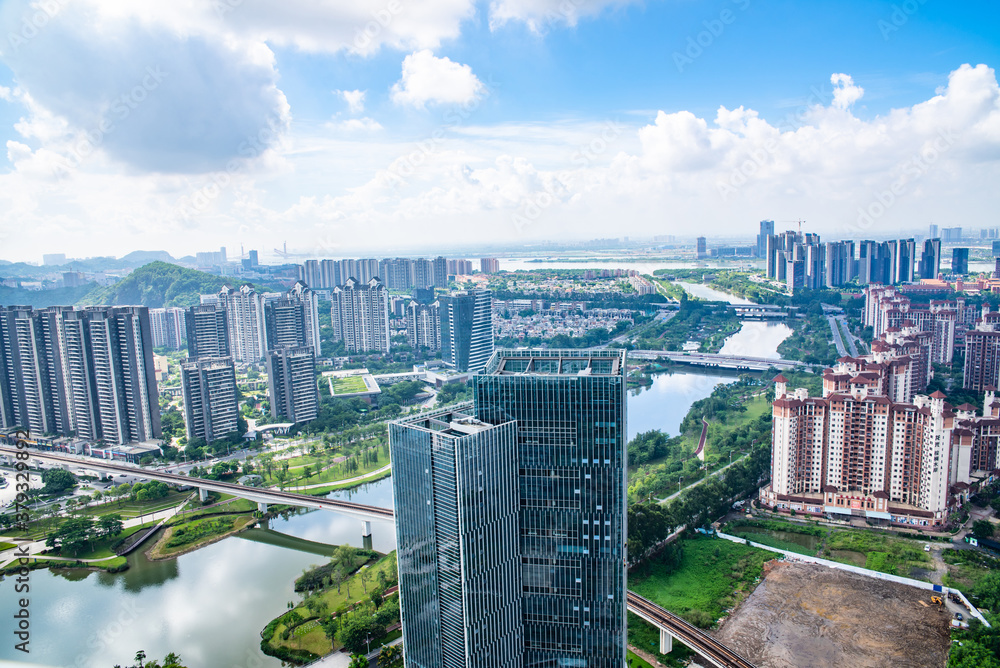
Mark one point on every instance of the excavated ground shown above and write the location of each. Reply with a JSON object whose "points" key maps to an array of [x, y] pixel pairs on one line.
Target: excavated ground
{"points": [[808, 615]]}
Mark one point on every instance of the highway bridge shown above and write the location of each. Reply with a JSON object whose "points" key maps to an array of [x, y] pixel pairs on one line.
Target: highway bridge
{"points": [[738, 362], [671, 626], [259, 495]]}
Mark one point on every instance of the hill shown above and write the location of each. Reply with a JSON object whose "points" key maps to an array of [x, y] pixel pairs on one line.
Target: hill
{"points": [[142, 257], [43, 298], [158, 284]]}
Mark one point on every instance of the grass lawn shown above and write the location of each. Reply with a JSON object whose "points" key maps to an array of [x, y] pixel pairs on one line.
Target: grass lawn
{"points": [[636, 661], [198, 532], [37, 529], [714, 575], [344, 485], [6, 546], [233, 505], [132, 509], [967, 567], [349, 385], [336, 473], [645, 636], [882, 553]]}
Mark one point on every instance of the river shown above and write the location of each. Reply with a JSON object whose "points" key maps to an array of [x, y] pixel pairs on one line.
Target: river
{"points": [[210, 605]]}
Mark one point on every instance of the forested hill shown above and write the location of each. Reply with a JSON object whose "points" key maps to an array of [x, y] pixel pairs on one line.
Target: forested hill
{"points": [[159, 284]]}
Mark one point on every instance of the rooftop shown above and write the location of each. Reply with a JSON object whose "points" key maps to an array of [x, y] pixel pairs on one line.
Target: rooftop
{"points": [[557, 362]]}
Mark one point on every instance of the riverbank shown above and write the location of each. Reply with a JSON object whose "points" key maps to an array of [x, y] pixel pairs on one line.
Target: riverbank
{"points": [[190, 536]]}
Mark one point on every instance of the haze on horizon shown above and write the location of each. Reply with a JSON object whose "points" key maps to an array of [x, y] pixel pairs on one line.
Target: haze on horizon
{"points": [[337, 126]]}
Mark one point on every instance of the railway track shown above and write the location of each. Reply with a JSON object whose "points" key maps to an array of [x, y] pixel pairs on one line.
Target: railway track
{"points": [[690, 635]]}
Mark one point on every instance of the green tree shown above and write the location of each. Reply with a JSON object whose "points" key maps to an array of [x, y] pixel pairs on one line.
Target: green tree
{"points": [[57, 481], [73, 535], [307, 471], [982, 529], [358, 661], [110, 525], [390, 657], [376, 598]]}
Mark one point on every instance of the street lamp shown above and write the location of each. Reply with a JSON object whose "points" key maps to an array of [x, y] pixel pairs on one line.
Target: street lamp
{"points": [[679, 484]]}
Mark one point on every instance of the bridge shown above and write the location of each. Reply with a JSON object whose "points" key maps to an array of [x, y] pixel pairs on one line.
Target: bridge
{"points": [[738, 362], [763, 311], [671, 626], [260, 495]]}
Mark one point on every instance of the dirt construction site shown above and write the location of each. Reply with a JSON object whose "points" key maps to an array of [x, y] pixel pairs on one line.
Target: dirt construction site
{"points": [[808, 615]]}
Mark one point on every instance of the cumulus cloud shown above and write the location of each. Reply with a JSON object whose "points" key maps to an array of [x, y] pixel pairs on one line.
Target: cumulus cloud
{"points": [[427, 78], [845, 93], [355, 100], [542, 15]]}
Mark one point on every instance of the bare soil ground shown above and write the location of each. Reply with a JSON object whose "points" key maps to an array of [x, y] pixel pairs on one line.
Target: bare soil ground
{"points": [[808, 615]]}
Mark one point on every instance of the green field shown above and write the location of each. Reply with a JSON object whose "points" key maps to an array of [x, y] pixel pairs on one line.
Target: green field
{"points": [[712, 577], [349, 385]]}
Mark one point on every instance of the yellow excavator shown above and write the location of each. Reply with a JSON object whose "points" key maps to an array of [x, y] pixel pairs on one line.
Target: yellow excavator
{"points": [[937, 600]]}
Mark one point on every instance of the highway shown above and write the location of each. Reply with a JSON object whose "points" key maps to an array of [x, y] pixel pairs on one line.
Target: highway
{"points": [[699, 641], [256, 494]]}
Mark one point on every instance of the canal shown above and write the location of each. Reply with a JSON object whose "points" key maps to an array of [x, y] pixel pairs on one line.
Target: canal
{"points": [[210, 605]]}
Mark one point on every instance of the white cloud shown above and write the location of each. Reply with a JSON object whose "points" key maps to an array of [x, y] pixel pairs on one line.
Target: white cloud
{"points": [[542, 15], [427, 78], [355, 100], [5, 94], [354, 125], [845, 93]]}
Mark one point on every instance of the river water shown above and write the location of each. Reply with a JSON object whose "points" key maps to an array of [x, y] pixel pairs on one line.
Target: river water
{"points": [[209, 606]]}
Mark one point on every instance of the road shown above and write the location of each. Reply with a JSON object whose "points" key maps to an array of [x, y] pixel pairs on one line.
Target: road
{"points": [[844, 349], [695, 484]]}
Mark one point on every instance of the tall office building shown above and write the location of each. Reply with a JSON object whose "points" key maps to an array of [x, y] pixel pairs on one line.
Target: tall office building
{"points": [[291, 374], [569, 408], [292, 318], [774, 246], [766, 230], [245, 320], [932, 231], [512, 534], [210, 397], [360, 315], [423, 325], [207, 331], [701, 248], [467, 329], [960, 261], [169, 327], [458, 553], [930, 259]]}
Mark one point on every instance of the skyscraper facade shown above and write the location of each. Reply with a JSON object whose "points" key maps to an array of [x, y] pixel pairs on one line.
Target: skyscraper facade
{"points": [[930, 259], [766, 230], [291, 374], [457, 540], [960, 261], [467, 329], [701, 248], [210, 397], [511, 528], [292, 318], [169, 327], [245, 319], [423, 325], [208, 331], [360, 315]]}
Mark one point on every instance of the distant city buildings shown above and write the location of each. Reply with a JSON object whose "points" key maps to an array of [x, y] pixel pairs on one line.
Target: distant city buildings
{"points": [[360, 316], [766, 230], [489, 265], [292, 388], [211, 408], [53, 259], [982, 354], [951, 234], [467, 329], [87, 373], [399, 273], [701, 248], [292, 318], [960, 261], [169, 327], [211, 259], [930, 259]]}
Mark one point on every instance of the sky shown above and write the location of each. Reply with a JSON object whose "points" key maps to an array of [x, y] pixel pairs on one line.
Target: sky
{"points": [[343, 127]]}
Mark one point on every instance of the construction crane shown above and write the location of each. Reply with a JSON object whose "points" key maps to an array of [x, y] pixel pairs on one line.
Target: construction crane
{"points": [[794, 221]]}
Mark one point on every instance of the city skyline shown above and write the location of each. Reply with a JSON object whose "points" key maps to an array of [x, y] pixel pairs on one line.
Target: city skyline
{"points": [[425, 120]]}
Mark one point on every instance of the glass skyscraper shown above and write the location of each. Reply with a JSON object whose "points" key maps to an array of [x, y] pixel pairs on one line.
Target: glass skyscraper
{"points": [[467, 329], [567, 411]]}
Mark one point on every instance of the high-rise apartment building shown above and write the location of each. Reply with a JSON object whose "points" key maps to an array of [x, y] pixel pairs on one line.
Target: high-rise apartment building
{"points": [[360, 315], [512, 541], [951, 234], [467, 329], [169, 327], [766, 230], [932, 231], [982, 354], [960, 261], [86, 372], [440, 272], [457, 538], [245, 321], [423, 325], [701, 248], [292, 389], [292, 318], [207, 331], [489, 265], [211, 408]]}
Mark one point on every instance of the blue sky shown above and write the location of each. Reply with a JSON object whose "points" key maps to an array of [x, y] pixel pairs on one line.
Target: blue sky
{"points": [[504, 121]]}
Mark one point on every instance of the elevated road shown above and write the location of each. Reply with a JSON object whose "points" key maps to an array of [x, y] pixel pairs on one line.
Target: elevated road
{"points": [[740, 362], [705, 645], [255, 494]]}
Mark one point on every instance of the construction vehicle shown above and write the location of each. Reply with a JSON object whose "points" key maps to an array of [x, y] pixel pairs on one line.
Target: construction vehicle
{"points": [[937, 600]]}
